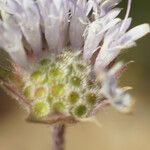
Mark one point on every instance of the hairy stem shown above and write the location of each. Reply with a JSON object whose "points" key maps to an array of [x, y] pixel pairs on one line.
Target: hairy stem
{"points": [[58, 131]]}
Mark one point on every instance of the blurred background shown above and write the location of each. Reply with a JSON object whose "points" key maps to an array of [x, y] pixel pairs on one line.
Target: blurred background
{"points": [[118, 131]]}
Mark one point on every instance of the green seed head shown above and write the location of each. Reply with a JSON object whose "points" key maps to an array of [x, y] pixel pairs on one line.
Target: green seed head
{"points": [[57, 90], [41, 109], [91, 98], [75, 81], [40, 92], [80, 110], [58, 106], [63, 84], [28, 92], [44, 62], [55, 72], [73, 97], [37, 76]]}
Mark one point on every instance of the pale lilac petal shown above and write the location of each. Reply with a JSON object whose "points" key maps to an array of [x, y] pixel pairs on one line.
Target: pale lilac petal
{"points": [[115, 41], [110, 24], [78, 24], [108, 52], [10, 6], [94, 33], [118, 97], [107, 5], [76, 33], [92, 39], [115, 69], [135, 33], [13, 45], [90, 5], [95, 6], [122, 102], [126, 25], [8, 18], [127, 14], [113, 13], [106, 57], [55, 19], [27, 16]]}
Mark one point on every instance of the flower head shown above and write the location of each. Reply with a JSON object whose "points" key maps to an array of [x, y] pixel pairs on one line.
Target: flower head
{"points": [[62, 53]]}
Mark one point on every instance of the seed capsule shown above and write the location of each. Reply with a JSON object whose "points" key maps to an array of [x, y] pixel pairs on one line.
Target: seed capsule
{"points": [[37, 76], [57, 90], [58, 106], [28, 92], [55, 72], [41, 109], [40, 92], [80, 110], [90, 98], [73, 97], [75, 81]]}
